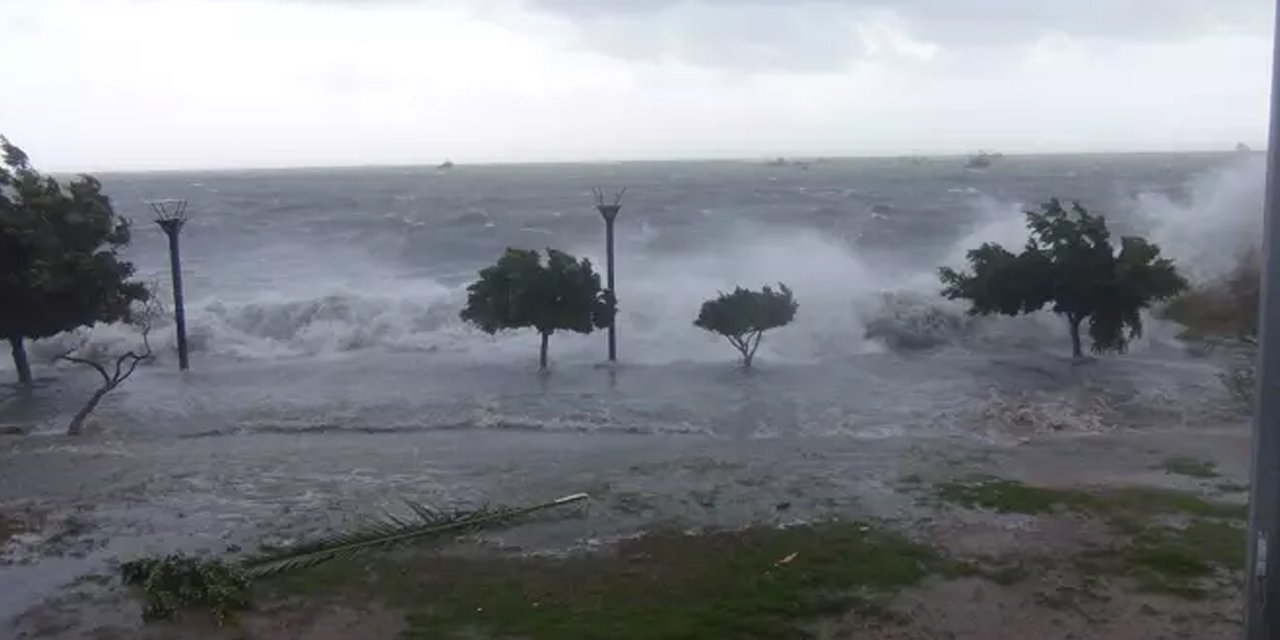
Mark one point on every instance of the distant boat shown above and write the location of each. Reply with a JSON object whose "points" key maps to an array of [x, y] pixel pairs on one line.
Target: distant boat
{"points": [[1243, 148], [783, 162], [983, 160], [447, 164]]}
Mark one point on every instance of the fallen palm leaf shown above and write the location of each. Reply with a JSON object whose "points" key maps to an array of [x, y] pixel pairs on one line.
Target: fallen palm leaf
{"points": [[391, 531], [174, 582]]}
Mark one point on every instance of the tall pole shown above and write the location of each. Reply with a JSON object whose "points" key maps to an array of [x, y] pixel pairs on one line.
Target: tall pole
{"points": [[179, 313], [610, 213], [171, 215], [1262, 586]]}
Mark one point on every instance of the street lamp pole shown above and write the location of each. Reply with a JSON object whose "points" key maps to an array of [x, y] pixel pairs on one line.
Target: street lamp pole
{"points": [[171, 215], [610, 213], [1262, 586]]}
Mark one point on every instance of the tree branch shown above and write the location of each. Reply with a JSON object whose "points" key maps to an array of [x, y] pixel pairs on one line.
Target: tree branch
{"points": [[102, 371], [134, 359], [759, 335]]}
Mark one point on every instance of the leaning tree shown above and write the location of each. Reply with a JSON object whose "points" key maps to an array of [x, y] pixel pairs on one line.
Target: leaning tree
{"points": [[114, 365], [60, 267], [521, 291], [742, 316], [1070, 264]]}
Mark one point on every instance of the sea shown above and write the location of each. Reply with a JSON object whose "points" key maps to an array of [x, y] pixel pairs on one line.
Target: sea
{"points": [[327, 300]]}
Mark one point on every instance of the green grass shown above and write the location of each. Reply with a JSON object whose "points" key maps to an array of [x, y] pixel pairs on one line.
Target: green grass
{"points": [[1174, 560], [761, 583], [1004, 496], [1190, 467], [1011, 496], [1167, 541]]}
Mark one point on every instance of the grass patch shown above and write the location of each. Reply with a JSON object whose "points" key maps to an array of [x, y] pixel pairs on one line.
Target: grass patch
{"points": [[1158, 556], [1003, 496], [1190, 467], [1174, 560], [1011, 496], [759, 583]]}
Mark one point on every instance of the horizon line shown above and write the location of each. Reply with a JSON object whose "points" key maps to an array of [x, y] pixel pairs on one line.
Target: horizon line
{"points": [[754, 158]]}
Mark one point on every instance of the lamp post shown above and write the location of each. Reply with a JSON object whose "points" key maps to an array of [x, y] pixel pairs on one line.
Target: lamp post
{"points": [[1262, 573], [610, 213], [171, 215]]}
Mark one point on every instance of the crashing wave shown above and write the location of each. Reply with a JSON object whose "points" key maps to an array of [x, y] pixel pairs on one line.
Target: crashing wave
{"points": [[910, 321]]}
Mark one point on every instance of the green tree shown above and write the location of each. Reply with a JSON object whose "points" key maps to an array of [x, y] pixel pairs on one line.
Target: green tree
{"points": [[59, 267], [744, 315], [1070, 263], [520, 291]]}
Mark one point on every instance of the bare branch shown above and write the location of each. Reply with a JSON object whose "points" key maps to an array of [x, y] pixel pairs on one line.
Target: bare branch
{"points": [[617, 198], [133, 365], [102, 371], [125, 364]]}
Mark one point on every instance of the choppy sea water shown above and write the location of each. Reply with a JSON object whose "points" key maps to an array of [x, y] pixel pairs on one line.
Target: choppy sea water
{"points": [[327, 299]]}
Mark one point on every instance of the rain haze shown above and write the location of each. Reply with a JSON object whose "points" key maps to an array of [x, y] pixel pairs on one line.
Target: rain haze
{"points": [[133, 84]]}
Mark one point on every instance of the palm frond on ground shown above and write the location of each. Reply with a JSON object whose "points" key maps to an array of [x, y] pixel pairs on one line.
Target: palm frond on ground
{"points": [[177, 581], [392, 530]]}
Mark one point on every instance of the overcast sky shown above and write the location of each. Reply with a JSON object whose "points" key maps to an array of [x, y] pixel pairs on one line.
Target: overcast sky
{"points": [[127, 84]]}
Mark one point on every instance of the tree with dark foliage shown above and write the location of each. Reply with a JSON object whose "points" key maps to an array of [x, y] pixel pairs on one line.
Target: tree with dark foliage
{"points": [[520, 291], [1070, 263], [59, 262], [744, 315]]}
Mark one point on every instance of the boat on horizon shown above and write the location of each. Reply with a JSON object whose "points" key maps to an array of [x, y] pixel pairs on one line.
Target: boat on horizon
{"points": [[447, 164], [983, 160]]}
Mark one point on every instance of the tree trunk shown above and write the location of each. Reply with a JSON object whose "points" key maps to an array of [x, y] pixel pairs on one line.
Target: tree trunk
{"points": [[1076, 352], [746, 360], [20, 361], [543, 359], [77, 423]]}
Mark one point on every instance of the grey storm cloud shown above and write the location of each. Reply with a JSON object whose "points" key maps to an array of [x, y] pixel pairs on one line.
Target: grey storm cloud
{"points": [[817, 34]]}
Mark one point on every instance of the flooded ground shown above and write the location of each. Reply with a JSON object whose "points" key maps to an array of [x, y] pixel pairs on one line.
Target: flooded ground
{"points": [[84, 503]]}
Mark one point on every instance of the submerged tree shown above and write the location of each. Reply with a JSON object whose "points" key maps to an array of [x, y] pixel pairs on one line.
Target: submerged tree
{"points": [[1223, 308], [1069, 262], [114, 367], [520, 291], [1224, 312], [59, 262], [743, 316]]}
